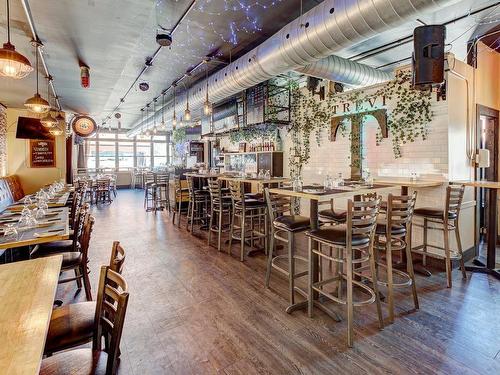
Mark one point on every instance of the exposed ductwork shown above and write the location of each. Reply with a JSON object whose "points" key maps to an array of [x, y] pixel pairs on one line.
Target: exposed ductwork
{"points": [[325, 29], [345, 71]]}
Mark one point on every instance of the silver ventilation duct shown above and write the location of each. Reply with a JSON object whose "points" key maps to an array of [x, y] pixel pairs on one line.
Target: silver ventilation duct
{"points": [[325, 29], [345, 71]]}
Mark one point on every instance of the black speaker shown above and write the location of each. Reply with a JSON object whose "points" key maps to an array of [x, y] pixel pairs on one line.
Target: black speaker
{"points": [[428, 55]]}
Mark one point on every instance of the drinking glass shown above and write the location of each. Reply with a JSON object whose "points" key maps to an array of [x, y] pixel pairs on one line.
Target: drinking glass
{"points": [[340, 179], [10, 233], [267, 175]]}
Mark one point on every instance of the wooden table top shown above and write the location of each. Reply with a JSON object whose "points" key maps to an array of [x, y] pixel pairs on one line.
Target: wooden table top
{"points": [[27, 293], [60, 201], [480, 184], [203, 175], [249, 180], [318, 193], [59, 226], [398, 181]]}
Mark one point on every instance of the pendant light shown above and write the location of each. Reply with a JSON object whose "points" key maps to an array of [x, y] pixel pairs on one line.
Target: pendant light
{"points": [[36, 103], [56, 130], [187, 112], [147, 133], [162, 125], [155, 129], [48, 121], [174, 118], [181, 124], [12, 63], [207, 106]]}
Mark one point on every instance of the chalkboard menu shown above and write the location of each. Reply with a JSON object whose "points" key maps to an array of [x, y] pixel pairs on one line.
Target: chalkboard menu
{"points": [[42, 153]]}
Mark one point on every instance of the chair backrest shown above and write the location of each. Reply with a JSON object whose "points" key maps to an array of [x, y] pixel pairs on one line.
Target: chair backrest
{"points": [[149, 177], [16, 189], [454, 197], [111, 307], [117, 257], [190, 186], [103, 184], [215, 190], [75, 206], [79, 226], [277, 205], [85, 239], [237, 195], [362, 218], [400, 210], [162, 178]]}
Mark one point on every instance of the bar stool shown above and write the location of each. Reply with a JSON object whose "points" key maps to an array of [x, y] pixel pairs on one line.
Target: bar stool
{"points": [[149, 191], [284, 222], [138, 178], [332, 215], [394, 234], [446, 223], [197, 206], [220, 206], [353, 243], [180, 194], [246, 211], [162, 198]]}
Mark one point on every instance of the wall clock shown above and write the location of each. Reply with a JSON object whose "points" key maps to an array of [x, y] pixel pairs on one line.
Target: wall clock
{"points": [[84, 126]]}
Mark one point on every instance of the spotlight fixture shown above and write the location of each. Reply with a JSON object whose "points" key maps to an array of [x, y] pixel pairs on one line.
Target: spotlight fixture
{"points": [[144, 86], [164, 39], [36, 103], [12, 63]]}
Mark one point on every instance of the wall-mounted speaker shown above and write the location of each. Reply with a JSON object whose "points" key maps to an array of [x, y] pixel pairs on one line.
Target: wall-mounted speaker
{"points": [[428, 56]]}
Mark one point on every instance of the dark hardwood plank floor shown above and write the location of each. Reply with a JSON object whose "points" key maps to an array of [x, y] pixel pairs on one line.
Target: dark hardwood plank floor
{"points": [[194, 310]]}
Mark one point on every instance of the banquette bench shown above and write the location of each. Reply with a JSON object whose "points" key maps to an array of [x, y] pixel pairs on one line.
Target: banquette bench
{"points": [[10, 191]]}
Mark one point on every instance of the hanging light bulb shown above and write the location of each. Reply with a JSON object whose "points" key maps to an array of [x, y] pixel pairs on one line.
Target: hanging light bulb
{"points": [[12, 63], [181, 124], [155, 129], [36, 103], [187, 112], [174, 118], [48, 121], [207, 106]]}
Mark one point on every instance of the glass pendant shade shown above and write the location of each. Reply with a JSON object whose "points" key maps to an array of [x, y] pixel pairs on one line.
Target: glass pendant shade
{"points": [[207, 108], [187, 114], [37, 104], [12, 63], [48, 121], [180, 122]]}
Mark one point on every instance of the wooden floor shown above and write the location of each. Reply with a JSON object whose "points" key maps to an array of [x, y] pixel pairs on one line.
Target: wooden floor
{"points": [[193, 310]]}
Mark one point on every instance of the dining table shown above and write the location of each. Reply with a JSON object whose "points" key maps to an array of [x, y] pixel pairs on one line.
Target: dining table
{"points": [[316, 194], [27, 292], [54, 226], [479, 265], [59, 200]]}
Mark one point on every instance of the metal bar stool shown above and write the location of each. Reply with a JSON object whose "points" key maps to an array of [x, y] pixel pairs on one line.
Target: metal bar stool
{"points": [[180, 194], [220, 206], [353, 245], [149, 191], [197, 206], [162, 198], [284, 222], [394, 234], [446, 221], [246, 211]]}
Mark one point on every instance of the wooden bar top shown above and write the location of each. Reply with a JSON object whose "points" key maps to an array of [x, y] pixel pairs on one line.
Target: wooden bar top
{"points": [[398, 181], [480, 184], [249, 180], [318, 193], [27, 295]]}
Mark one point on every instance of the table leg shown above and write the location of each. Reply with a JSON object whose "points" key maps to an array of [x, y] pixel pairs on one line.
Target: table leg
{"points": [[492, 239]]}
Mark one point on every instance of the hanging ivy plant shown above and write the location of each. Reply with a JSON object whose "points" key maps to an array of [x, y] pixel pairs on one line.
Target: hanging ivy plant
{"points": [[253, 133], [406, 122], [179, 135]]}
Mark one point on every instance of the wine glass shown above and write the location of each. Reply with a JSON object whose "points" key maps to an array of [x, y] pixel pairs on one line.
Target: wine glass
{"points": [[10, 233]]}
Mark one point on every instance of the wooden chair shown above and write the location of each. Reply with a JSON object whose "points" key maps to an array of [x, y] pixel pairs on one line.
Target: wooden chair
{"points": [[353, 245], [251, 214], [445, 221], [162, 198], [394, 234], [110, 312], [103, 190], [149, 191], [283, 221], [74, 324]]}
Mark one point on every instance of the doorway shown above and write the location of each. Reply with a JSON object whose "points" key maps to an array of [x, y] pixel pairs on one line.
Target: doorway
{"points": [[488, 134]]}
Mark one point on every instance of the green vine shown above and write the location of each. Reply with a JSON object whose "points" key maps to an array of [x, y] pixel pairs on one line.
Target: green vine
{"points": [[252, 133], [179, 135], [406, 122]]}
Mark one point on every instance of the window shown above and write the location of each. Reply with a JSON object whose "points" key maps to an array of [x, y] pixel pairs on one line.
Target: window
{"points": [[143, 154], [115, 150], [125, 154], [90, 154], [159, 154], [107, 154]]}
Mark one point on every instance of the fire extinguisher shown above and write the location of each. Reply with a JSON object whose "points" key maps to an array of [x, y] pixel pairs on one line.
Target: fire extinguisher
{"points": [[85, 76]]}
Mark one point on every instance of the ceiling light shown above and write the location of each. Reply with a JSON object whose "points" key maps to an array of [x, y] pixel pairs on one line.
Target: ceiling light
{"points": [[207, 106], [56, 131], [187, 112], [163, 39], [36, 103], [12, 63], [48, 121], [174, 117]]}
